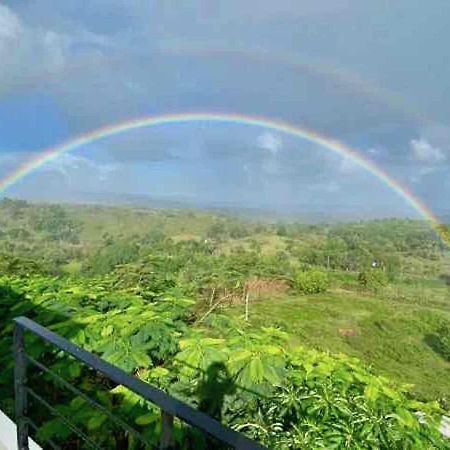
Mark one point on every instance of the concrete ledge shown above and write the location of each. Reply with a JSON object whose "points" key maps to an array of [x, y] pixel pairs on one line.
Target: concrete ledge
{"points": [[8, 438], [445, 426]]}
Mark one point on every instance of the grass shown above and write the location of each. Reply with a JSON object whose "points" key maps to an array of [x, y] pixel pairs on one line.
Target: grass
{"points": [[391, 336], [98, 220], [268, 244]]}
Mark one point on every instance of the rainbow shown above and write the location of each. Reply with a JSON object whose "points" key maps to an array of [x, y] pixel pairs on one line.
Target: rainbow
{"points": [[190, 117]]}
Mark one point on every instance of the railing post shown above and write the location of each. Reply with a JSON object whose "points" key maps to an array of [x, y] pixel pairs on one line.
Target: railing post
{"points": [[167, 441], [20, 390]]}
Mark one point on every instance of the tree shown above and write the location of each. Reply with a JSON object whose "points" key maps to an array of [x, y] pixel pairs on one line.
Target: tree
{"points": [[373, 279], [311, 282], [54, 221]]}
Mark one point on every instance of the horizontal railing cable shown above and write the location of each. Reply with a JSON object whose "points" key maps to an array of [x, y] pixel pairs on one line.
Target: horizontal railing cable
{"points": [[48, 441], [168, 404], [64, 419], [89, 400]]}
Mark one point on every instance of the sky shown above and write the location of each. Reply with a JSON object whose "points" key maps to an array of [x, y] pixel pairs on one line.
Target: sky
{"points": [[373, 75]]}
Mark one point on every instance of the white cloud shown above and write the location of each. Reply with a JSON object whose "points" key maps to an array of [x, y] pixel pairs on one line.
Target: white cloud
{"points": [[270, 141], [348, 166], [66, 174], [73, 166], [422, 150], [10, 26], [32, 55]]}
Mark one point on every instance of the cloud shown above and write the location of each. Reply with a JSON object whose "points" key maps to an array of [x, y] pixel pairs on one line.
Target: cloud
{"points": [[104, 63], [71, 171], [10, 26], [270, 141], [72, 166], [422, 172], [423, 151], [31, 55], [348, 166], [59, 177]]}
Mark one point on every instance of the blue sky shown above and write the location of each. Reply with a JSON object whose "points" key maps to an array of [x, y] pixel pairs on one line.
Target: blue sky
{"points": [[374, 75]]}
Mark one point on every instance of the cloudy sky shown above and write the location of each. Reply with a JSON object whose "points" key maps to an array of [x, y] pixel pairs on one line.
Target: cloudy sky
{"points": [[374, 75]]}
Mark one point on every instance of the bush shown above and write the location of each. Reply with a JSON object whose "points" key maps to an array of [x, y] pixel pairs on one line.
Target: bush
{"points": [[372, 279], [443, 334], [311, 282]]}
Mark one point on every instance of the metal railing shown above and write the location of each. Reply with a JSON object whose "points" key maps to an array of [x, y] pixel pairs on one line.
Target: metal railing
{"points": [[170, 407]]}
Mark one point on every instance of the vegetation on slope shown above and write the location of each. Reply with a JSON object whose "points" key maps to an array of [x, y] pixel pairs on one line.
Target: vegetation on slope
{"points": [[147, 290], [286, 397]]}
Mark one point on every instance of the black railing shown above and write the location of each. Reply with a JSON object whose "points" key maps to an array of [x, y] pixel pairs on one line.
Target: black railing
{"points": [[170, 407]]}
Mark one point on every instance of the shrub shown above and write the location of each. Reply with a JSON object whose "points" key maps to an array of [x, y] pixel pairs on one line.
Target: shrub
{"points": [[443, 334], [372, 279], [311, 282]]}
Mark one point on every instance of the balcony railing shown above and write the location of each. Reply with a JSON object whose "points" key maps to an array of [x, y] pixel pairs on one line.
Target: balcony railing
{"points": [[170, 407]]}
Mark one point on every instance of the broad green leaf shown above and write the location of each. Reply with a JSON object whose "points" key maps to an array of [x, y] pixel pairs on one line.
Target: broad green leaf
{"points": [[146, 419], [141, 358], [408, 419], [371, 392], [96, 421], [107, 331], [74, 369]]}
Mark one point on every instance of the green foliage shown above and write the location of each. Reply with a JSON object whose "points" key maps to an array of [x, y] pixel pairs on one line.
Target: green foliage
{"points": [[111, 255], [372, 279], [336, 403], [311, 282], [72, 268], [18, 265], [254, 381], [299, 398], [100, 238], [121, 283], [443, 340], [225, 229], [57, 224]]}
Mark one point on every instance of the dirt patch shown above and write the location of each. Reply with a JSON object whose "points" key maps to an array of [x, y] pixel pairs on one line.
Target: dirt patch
{"points": [[348, 332], [263, 287], [255, 288]]}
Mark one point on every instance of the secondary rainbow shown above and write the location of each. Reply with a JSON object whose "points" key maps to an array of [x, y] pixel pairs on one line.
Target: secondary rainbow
{"points": [[191, 117], [303, 63], [321, 68]]}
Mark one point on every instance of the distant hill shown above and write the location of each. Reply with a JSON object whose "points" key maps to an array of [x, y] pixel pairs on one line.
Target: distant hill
{"points": [[281, 212]]}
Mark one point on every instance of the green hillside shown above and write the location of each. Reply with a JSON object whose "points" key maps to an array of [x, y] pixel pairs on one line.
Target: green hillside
{"points": [[300, 336]]}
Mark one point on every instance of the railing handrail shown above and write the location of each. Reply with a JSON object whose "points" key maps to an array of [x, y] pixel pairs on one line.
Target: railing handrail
{"points": [[164, 401]]}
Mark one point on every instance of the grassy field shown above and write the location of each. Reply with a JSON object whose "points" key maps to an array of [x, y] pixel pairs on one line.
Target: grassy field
{"points": [[392, 335]]}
